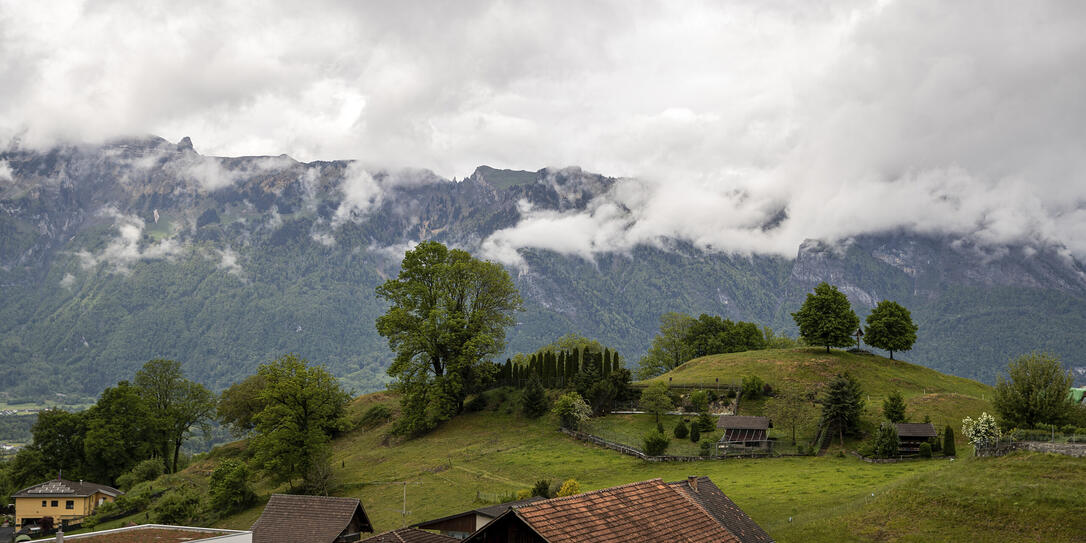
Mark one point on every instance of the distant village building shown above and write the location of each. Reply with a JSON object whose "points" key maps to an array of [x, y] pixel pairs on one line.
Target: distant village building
{"points": [[313, 519], [744, 433], [464, 524], [66, 502], [690, 511], [911, 434]]}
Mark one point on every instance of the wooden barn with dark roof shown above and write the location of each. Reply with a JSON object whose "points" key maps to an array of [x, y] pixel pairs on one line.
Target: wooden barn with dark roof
{"points": [[744, 432], [649, 511], [314, 519], [911, 434]]}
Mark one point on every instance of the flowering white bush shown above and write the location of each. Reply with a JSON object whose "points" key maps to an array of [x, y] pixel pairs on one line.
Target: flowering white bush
{"points": [[983, 433]]}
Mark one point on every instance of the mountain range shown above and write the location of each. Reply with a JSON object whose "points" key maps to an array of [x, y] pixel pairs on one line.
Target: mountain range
{"points": [[117, 253]]}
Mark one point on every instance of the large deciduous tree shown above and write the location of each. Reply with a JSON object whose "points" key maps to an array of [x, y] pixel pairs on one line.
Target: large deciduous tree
{"points": [[789, 408], [175, 405], [239, 405], [669, 348], [117, 429], [303, 406], [890, 327], [1036, 393], [826, 318], [447, 315]]}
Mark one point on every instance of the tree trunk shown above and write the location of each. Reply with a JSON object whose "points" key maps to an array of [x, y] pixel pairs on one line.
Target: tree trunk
{"points": [[827, 348], [891, 355], [176, 452], [842, 432]]}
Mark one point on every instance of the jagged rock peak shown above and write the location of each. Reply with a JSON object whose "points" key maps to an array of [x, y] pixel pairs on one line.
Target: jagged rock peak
{"points": [[185, 145]]}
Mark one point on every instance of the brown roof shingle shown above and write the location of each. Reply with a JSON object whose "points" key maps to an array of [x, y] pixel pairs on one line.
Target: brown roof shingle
{"points": [[723, 509], [915, 429], [648, 511], [410, 535], [317, 519], [743, 422]]}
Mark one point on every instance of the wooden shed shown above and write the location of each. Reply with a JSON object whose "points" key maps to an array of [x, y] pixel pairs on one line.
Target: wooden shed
{"points": [[911, 434], [744, 432]]}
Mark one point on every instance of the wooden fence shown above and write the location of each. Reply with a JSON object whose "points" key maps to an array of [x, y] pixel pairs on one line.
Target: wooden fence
{"points": [[632, 451]]}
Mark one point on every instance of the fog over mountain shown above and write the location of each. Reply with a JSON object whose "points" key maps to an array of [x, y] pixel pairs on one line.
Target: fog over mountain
{"points": [[827, 119], [908, 149]]}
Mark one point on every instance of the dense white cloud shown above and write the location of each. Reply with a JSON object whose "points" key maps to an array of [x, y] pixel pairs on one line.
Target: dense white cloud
{"points": [[848, 117]]}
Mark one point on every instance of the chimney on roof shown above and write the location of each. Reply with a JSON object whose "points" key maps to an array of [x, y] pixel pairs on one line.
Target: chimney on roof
{"points": [[693, 482]]}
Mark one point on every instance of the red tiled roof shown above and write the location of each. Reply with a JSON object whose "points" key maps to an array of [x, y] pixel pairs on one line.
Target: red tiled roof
{"points": [[315, 519], [723, 509], [742, 422], [410, 535], [648, 512], [915, 429]]}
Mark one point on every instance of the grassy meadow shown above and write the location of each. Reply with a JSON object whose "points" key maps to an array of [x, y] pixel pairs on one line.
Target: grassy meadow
{"points": [[479, 457], [484, 457]]}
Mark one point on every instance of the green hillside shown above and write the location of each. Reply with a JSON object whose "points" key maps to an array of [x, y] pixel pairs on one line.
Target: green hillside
{"points": [[479, 457], [484, 457]]}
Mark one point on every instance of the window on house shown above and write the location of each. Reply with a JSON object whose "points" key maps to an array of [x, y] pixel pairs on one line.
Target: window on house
{"points": [[54, 504], [43, 503], [69, 504]]}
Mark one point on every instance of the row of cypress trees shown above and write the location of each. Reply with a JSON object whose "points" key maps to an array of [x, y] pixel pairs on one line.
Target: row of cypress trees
{"points": [[556, 369]]}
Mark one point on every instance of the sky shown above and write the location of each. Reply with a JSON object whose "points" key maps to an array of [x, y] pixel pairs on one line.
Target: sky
{"points": [[745, 127]]}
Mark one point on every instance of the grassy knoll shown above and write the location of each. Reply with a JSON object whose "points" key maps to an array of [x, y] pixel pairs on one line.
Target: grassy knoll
{"points": [[813, 366], [946, 399]]}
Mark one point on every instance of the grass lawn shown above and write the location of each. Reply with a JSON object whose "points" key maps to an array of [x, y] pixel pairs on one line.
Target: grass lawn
{"points": [[491, 454], [629, 429], [1020, 497]]}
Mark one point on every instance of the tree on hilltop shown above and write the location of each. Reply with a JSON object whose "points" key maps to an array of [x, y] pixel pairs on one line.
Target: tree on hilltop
{"points": [[890, 327], [447, 315], [826, 318]]}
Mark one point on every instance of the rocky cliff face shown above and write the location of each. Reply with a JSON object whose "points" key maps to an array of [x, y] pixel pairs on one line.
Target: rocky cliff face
{"points": [[113, 254]]}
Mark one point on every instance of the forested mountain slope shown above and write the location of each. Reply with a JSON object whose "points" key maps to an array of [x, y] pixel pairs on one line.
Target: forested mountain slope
{"points": [[111, 255]]}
